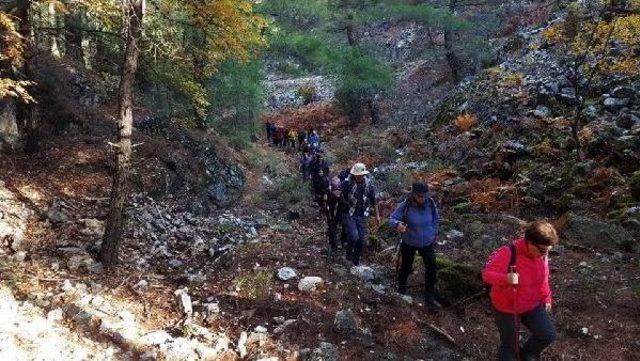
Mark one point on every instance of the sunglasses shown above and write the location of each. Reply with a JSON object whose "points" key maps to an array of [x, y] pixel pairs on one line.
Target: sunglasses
{"points": [[542, 249]]}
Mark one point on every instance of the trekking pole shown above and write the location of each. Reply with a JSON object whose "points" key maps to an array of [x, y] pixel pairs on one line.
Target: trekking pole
{"points": [[516, 321]]}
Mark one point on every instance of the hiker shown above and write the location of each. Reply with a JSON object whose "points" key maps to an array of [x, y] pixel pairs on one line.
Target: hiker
{"points": [[292, 135], [280, 136], [302, 136], [336, 211], [314, 140], [318, 163], [417, 220], [306, 147], [268, 128], [321, 185], [519, 278], [305, 166], [358, 196]]}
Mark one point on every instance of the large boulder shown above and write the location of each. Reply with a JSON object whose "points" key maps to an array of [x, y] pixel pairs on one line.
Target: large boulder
{"points": [[365, 273], [326, 352], [615, 104], [591, 232], [179, 161], [628, 121], [457, 280], [344, 322]]}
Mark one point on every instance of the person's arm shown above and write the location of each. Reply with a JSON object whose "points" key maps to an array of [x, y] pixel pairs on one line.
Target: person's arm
{"points": [[495, 271], [396, 217]]}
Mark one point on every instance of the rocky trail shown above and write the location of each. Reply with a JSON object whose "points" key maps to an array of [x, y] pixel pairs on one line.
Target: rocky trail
{"points": [[253, 283]]}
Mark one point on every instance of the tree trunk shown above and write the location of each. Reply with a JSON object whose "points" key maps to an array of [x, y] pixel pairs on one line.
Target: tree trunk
{"points": [[53, 38], [115, 223], [452, 58], [25, 111], [73, 38]]}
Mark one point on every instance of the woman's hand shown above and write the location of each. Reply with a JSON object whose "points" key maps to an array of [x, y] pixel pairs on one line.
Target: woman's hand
{"points": [[547, 306], [402, 227]]}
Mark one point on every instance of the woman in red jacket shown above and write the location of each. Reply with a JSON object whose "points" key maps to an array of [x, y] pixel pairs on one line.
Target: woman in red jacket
{"points": [[520, 292]]}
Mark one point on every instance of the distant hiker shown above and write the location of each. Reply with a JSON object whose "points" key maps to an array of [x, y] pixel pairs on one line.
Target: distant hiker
{"points": [[302, 136], [318, 164], [267, 128], [279, 138], [359, 197], [305, 166], [417, 219], [519, 277], [336, 212], [292, 136], [314, 140], [321, 185], [306, 147]]}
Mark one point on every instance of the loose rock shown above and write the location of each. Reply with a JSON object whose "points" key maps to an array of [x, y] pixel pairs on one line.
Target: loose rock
{"points": [[309, 284]]}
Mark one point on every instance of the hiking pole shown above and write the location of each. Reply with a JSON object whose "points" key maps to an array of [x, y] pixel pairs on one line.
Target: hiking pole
{"points": [[516, 321]]}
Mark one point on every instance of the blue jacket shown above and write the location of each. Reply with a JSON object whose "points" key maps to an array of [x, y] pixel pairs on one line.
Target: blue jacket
{"points": [[314, 139], [422, 223]]}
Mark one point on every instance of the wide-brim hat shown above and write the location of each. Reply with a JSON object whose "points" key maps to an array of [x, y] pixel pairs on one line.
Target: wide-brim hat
{"points": [[359, 169]]}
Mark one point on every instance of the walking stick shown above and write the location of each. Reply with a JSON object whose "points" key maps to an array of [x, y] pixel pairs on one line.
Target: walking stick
{"points": [[516, 320]]}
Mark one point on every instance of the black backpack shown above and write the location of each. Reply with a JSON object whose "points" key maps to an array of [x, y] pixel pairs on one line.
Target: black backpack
{"points": [[512, 263]]}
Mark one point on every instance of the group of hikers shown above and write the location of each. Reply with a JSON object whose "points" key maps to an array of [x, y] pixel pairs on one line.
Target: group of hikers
{"points": [[290, 137], [517, 274]]}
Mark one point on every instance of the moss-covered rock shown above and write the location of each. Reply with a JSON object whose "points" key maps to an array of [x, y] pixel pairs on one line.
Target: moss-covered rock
{"points": [[457, 280], [591, 232]]}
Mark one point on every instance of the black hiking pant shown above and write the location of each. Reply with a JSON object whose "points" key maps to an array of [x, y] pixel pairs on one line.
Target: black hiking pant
{"points": [[336, 220], [408, 254], [539, 323]]}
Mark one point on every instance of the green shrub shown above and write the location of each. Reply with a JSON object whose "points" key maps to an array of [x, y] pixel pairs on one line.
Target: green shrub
{"points": [[291, 190], [236, 97], [360, 77], [256, 285], [307, 92]]}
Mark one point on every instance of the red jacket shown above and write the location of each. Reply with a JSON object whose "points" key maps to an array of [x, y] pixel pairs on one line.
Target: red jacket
{"points": [[533, 288]]}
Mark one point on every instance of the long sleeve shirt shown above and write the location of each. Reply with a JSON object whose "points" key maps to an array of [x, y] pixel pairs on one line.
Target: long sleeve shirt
{"points": [[533, 286], [422, 222]]}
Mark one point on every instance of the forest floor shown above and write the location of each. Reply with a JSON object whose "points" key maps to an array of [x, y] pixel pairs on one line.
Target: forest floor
{"points": [[596, 292]]}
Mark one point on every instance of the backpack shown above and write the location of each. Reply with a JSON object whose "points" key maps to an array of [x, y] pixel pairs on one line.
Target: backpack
{"points": [[512, 263]]}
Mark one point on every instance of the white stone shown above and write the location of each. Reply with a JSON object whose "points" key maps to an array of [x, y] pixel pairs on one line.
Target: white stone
{"points": [[141, 287], [309, 284], [454, 234], [286, 274], [242, 345], [365, 273], [184, 301], [260, 329], [157, 337], [212, 307], [54, 315]]}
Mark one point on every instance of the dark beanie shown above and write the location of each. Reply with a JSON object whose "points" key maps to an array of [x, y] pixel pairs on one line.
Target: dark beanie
{"points": [[419, 188]]}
